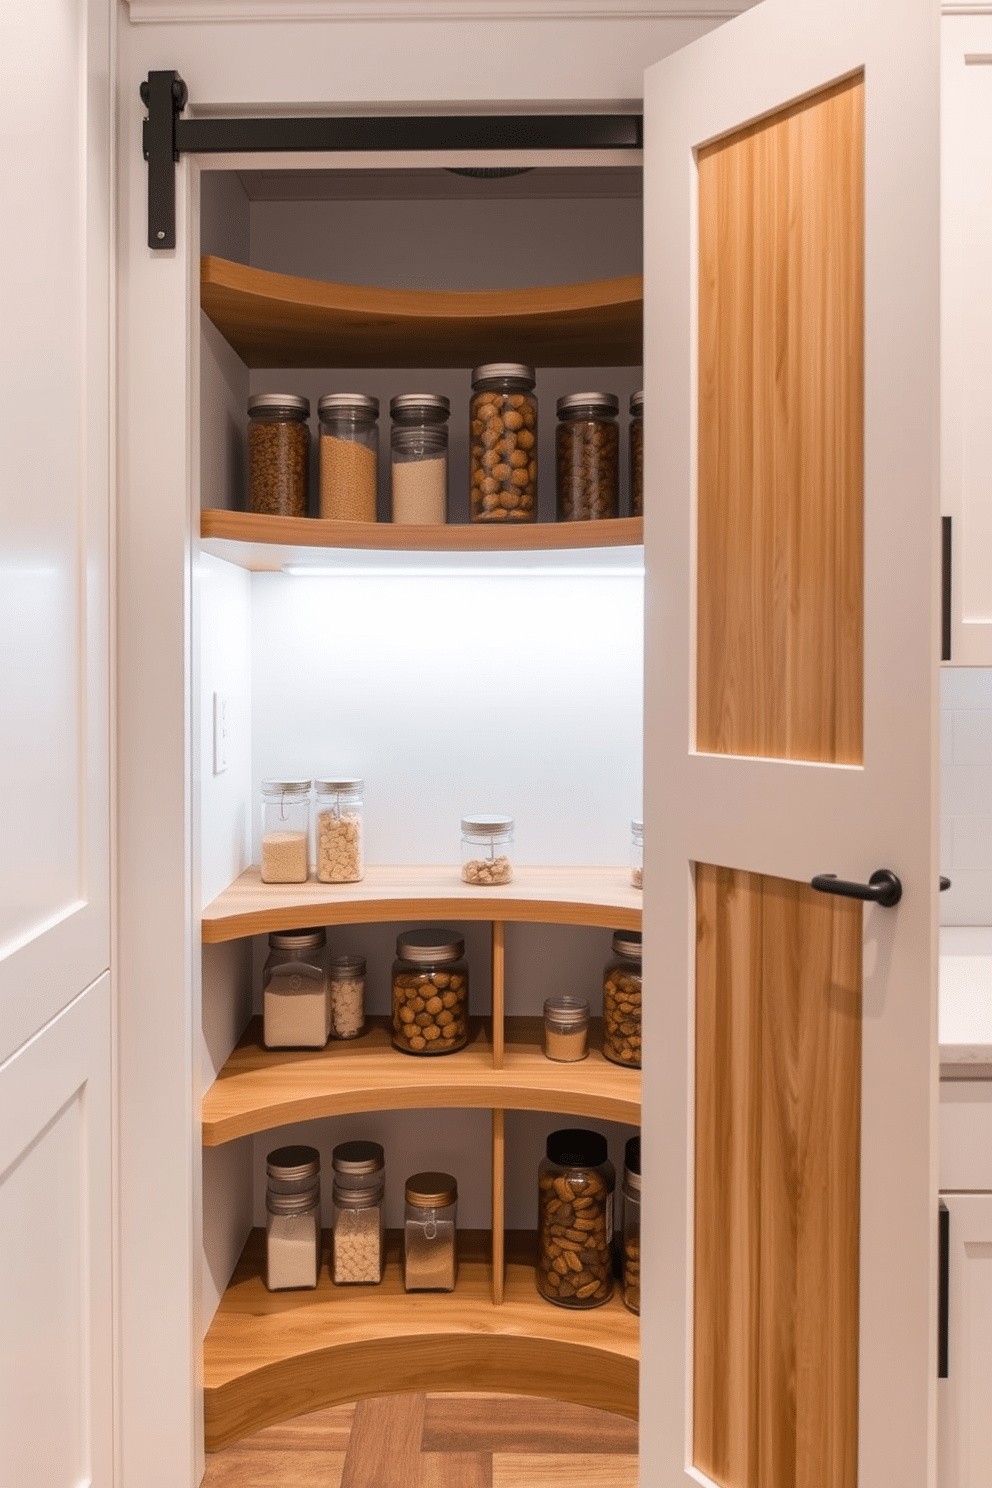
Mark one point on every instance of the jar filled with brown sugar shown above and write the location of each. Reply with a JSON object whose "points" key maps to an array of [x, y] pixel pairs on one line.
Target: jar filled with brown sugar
{"points": [[566, 1029], [575, 1219], [278, 454], [349, 456], [430, 992], [637, 455], [503, 444], [285, 831], [430, 1253], [622, 1000], [586, 448]]}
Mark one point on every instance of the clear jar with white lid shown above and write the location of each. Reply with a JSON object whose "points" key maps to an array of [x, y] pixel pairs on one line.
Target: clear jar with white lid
{"points": [[637, 853], [419, 457], [278, 454], [340, 830], [637, 454], [587, 443], [292, 1219], [430, 992], [285, 830], [295, 988], [430, 1252], [503, 444], [566, 1029], [346, 996], [358, 1248], [487, 849], [349, 456], [631, 1225]]}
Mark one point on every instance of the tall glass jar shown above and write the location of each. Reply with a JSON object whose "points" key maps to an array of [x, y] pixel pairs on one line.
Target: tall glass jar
{"points": [[566, 1029], [358, 1253], [587, 448], [637, 853], [278, 454], [622, 1000], [295, 1002], [632, 1224], [430, 992], [419, 457], [340, 830], [285, 830], [292, 1219], [575, 1219], [637, 455], [487, 849], [430, 1253], [503, 444], [346, 996], [349, 456]]}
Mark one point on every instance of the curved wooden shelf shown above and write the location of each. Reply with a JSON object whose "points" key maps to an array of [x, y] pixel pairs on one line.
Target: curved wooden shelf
{"points": [[550, 896], [279, 320], [272, 1355], [260, 1088], [268, 543]]}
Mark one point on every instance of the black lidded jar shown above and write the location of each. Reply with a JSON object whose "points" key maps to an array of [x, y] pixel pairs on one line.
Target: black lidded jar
{"points": [[575, 1219]]}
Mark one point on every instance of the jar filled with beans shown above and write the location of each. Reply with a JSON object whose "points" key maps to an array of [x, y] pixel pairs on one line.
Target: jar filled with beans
{"points": [[631, 1224], [430, 992], [349, 456], [637, 454], [278, 454], [622, 1000], [586, 446], [503, 444], [575, 1219]]}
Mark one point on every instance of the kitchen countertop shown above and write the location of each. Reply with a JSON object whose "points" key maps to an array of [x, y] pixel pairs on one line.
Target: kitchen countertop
{"points": [[964, 1009]]}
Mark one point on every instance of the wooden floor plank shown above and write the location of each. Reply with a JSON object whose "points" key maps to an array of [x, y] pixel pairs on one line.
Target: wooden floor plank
{"points": [[456, 1470], [384, 1450], [240, 1468], [320, 1431], [513, 1424], [553, 1470]]}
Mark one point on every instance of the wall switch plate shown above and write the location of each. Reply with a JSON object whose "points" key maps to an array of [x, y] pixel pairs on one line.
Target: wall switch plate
{"points": [[222, 723]]}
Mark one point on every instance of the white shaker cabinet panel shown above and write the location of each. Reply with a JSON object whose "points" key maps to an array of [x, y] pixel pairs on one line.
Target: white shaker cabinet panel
{"points": [[965, 1417]]}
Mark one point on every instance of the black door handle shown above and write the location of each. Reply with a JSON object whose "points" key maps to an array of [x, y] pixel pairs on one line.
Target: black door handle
{"points": [[882, 888]]}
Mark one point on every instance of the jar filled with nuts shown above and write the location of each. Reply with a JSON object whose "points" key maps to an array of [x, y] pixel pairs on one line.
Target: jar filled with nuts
{"points": [[430, 992], [419, 457], [487, 849], [575, 1219], [346, 996], [637, 853], [637, 454], [340, 836], [349, 456], [285, 830], [295, 1003], [430, 1254], [586, 447], [631, 1227], [357, 1253], [278, 454], [503, 444], [622, 1000]]}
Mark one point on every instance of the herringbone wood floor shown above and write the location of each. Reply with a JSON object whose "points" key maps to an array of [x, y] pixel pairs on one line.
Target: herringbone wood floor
{"points": [[436, 1441]]}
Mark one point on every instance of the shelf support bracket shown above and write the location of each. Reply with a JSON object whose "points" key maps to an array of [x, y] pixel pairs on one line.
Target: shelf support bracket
{"points": [[164, 94]]}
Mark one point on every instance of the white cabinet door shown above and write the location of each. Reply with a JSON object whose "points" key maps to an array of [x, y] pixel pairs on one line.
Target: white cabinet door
{"points": [[55, 1019], [965, 1396], [791, 338]]}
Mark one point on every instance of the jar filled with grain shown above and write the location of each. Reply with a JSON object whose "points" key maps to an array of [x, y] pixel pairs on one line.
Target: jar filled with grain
{"points": [[637, 853], [430, 992], [566, 1029], [622, 1000], [631, 1224], [503, 444], [587, 449], [285, 830], [292, 1219], [349, 456], [278, 454], [575, 1219], [358, 1252], [346, 996], [338, 807], [487, 849], [637, 454], [430, 1252], [419, 457], [295, 990]]}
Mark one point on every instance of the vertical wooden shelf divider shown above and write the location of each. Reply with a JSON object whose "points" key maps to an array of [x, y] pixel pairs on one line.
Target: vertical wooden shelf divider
{"points": [[499, 1116]]}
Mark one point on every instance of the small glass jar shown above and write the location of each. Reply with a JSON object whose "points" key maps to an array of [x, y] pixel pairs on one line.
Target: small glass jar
{"points": [[586, 445], [637, 853], [278, 454], [430, 992], [349, 456], [358, 1248], [346, 996], [631, 1226], [637, 454], [575, 1219], [338, 808], [292, 1219], [285, 830], [622, 1000], [566, 1029], [419, 463], [295, 1004], [487, 849], [430, 1252], [503, 444]]}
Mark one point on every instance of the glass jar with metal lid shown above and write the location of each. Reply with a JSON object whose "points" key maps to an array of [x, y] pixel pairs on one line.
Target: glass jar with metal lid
{"points": [[637, 454], [349, 456], [346, 996], [637, 853], [419, 457], [338, 806], [631, 1224], [295, 1002], [285, 830], [622, 1000], [430, 992], [587, 457], [292, 1218], [278, 454], [575, 1219], [430, 1254], [487, 849], [566, 1029], [357, 1254], [503, 444]]}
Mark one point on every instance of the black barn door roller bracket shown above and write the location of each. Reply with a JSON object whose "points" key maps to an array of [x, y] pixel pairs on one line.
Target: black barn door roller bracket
{"points": [[166, 136]]}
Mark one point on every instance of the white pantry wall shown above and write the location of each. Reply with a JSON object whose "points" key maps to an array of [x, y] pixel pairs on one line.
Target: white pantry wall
{"points": [[966, 794]]}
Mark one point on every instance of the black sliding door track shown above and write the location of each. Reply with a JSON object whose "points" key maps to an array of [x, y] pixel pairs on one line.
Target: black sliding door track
{"points": [[165, 137]]}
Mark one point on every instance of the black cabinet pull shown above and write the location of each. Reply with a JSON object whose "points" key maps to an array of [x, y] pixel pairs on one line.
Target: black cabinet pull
{"points": [[882, 888], [943, 1290]]}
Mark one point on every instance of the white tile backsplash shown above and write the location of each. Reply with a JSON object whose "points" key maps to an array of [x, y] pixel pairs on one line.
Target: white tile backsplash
{"points": [[966, 687], [972, 736], [966, 795]]}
